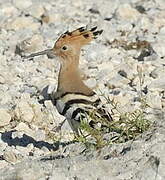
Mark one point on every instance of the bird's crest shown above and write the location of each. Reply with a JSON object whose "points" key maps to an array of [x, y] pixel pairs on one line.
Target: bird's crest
{"points": [[80, 36]]}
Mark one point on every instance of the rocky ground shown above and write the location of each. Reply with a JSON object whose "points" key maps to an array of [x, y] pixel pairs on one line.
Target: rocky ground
{"points": [[126, 63]]}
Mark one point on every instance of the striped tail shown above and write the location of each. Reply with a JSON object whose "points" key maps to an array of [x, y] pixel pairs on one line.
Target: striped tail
{"points": [[75, 106]]}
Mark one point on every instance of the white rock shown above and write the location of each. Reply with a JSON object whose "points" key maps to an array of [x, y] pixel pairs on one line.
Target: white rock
{"points": [[145, 23], [154, 100], [97, 53], [124, 26], [23, 22], [22, 4], [159, 20], [40, 135], [17, 134], [37, 10], [91, 82], [3, 145], [24, 111], [117, 82], [45, 149], [55, 17], [30, 147], [162, 30], [102, 73], [38, 152], [5, 97], [160, 3], [22, 150], [157, 85], [11, 156], [158, 72], [159, 48], [2, 80], [32, 44], [3, 164], [126, 12], [8, 10], [24, 128], [4, 117]]}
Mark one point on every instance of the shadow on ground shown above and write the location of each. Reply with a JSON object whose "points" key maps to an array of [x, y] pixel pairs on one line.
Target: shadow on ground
{"points": [[25, 140]]}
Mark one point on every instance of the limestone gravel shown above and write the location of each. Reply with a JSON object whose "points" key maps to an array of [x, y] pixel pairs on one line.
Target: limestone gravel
{"points": [[127, 61]]}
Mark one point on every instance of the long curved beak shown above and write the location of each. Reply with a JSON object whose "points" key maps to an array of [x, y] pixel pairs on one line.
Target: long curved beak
{"points": [[49, 52]]}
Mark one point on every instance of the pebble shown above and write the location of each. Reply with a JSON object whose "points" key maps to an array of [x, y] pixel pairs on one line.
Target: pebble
{"points": [[157, 85], [5, 117], [36, 10], [154, 100], [24, 111], [22, 127], [32, 44], [91, 82], [125, 11], [3, 164], [11, 157], [23, 22], [159, 49], [110, 65], [22, 5], [117, 82]]}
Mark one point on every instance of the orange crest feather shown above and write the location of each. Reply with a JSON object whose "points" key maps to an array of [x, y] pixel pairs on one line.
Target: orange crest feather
{"points": [[80, 36]]}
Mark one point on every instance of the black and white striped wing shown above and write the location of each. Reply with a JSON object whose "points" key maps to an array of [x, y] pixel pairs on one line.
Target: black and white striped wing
{"points": [[74, 106]]}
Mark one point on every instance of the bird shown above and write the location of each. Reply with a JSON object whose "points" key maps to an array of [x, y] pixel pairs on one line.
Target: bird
{"points": [[73, 98]]}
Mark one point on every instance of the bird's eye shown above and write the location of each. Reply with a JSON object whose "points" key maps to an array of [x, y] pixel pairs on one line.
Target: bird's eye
{"points": [[65, 48]]}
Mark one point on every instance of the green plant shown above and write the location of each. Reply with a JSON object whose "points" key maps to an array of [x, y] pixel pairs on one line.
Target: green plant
{"points": [[128, 126]]}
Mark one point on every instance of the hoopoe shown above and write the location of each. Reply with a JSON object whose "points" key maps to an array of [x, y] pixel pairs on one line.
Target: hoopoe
{"points": [[73, 99]]}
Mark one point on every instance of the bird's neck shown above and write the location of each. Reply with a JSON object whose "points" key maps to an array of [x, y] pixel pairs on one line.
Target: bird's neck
{"points": [[69, 79]]}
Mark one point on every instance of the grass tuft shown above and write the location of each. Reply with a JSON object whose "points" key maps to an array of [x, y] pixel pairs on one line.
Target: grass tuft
{"points": [[127, 127]]}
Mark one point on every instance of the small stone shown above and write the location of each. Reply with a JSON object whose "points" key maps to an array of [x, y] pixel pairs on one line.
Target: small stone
{"points": [[5, 117], [23, 22], [38, 152], [54, 116], [17, 134], [30, 146], [24, 111], [23, 150], [45, 149], [162, 30], [154, 100], [8, 10], [5, 97], [3, 164], [24, 128], [160, 3], [31, 44], [157, 85], [2, 80], [159, 48], [55, 17], [126, 12], [11, 157], [91, 82], [157, 72], [145, 23], [37, 10], [117, 82], [40, 135], [22, 4]]}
